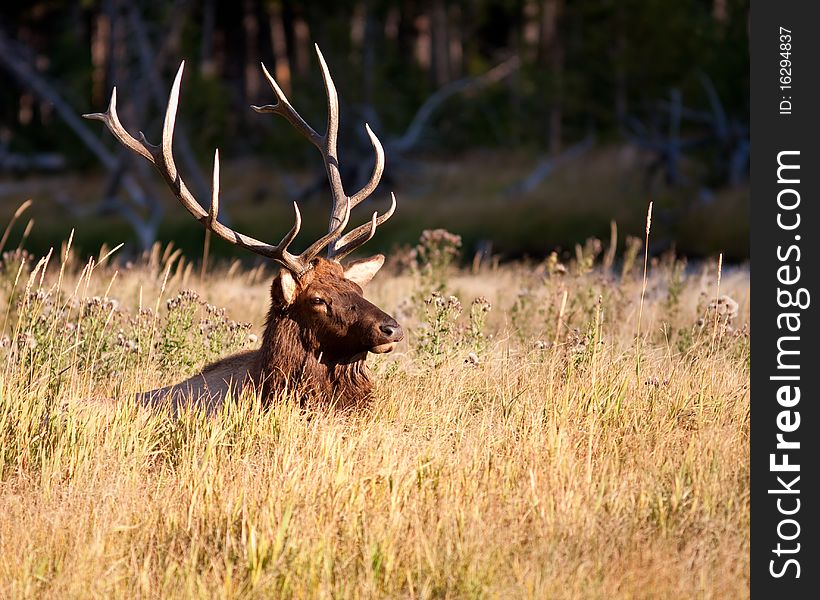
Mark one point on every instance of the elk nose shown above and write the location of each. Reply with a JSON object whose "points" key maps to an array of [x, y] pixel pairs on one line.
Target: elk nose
{"points": [[392, 330]]}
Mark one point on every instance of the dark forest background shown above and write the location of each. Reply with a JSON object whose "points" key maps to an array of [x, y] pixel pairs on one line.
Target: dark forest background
{"points": [[524, 125]]}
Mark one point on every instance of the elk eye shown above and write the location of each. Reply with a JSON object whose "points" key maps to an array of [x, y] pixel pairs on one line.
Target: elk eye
{"points": [[316, 300]]}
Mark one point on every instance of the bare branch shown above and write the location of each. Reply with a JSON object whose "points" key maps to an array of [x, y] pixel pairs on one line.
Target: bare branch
{"points": [[12, 55], [413, 133], [545, 167]]}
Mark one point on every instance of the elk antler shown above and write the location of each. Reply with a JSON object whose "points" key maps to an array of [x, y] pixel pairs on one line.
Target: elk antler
{"points": [[162, 158], [341, 246]]}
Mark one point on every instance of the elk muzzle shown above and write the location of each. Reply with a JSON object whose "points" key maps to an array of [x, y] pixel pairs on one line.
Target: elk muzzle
{"points": [[392, 334]]}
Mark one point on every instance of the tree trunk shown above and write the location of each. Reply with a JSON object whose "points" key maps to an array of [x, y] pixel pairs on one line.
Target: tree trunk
{"points": [[301, 42], [531, 30], [151, 64], [100, 53], [423, 42], [207, 66], [392, 24], [281, 63], [720, 11], [619, 66], [553, 44], [440, 51], [369, 44], [456, 43], [250, 27]]}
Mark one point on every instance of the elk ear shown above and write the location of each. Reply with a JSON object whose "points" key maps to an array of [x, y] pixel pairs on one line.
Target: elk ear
{"points": [[288, 284], [362, 271]]}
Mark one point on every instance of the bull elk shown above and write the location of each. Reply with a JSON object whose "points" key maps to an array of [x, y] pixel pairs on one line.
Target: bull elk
{"points": [[319, 328]]}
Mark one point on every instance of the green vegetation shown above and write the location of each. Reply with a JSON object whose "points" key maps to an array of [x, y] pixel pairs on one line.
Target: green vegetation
{"points": [[465, 195]]}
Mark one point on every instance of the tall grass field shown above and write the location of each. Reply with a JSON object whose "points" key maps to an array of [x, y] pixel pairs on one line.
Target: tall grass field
{"points": [[569, 428]]}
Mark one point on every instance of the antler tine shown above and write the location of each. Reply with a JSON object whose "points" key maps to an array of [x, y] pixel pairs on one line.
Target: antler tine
{"points": [[378, 169], [338, 246], [365, 234], [310, 253], [162, 158], [340, 207], [353, 239], [327, 143], [362, 234], [213, 209], [112, 121], [168, 125], [332, 131], [284, 108]]}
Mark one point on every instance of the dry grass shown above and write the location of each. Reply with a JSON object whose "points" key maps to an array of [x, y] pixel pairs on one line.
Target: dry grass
{"points": [[542, 471]]}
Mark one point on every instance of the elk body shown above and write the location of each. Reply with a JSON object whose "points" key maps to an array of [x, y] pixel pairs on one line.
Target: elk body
{"points": [[319, 327]]}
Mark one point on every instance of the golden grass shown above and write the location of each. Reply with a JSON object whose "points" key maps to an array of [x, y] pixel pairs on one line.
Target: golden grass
{"points": [[544, 471]]}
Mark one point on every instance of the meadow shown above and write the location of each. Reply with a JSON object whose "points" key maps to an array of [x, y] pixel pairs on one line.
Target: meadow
{"points": [[576, 427]]}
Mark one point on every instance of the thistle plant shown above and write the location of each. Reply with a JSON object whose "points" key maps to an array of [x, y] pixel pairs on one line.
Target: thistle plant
{"points": [[434, 255], [438, 333], [479, 309], [189, 338], [444, 332]]}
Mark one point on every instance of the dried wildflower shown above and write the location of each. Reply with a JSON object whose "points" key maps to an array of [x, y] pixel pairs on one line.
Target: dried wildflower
{"points": [[182, 298], [28, 340], [656, 382], [14, 256], [436, 299], [453, 303], [438, 237], [549, 264], [481, 303], [472, 359], [577, 342], [725, 307], [406, 259]]}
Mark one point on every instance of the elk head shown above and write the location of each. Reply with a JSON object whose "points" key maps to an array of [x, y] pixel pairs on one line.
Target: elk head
{"points": [[323, 298], [333, 316]]}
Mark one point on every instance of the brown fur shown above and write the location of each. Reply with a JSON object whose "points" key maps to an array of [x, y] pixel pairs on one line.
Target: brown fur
{"points": [[316, 350]]}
